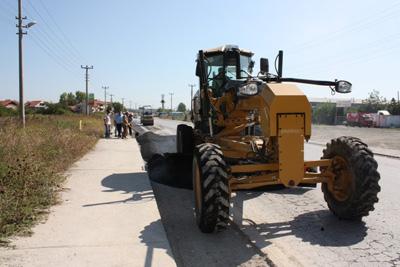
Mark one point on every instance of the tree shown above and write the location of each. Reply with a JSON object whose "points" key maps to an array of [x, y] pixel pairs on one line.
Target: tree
{"points": [[80, 96], [373, 103], [117, 106], [394, 107], [324, 113], [63, 99], [71, 99], [181, 107]]}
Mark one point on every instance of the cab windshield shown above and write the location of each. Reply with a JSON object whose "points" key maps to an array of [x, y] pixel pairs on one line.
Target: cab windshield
{"points": [[218, 72]]}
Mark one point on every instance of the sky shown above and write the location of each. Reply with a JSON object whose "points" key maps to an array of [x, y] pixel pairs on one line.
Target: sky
{"points": [[143, 49]]}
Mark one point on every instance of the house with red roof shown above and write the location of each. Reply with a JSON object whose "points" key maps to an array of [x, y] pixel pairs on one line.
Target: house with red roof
{"points": [[8, 103], [36, 104]]}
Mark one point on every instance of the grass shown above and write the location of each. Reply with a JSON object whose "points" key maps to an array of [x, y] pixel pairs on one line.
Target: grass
{"points": [[32, 162]]}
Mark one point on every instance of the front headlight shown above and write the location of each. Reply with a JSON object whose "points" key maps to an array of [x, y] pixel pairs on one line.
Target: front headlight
{"points": [[249, 89]]}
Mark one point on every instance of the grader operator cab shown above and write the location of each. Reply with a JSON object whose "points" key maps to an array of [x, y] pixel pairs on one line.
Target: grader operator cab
{"points": [[249, 132]]}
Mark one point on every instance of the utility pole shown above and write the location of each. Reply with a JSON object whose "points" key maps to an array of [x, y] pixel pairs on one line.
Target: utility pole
{"points": [[191, 95], [111, 100], [162, 102], [21, 33], [171, 94], [87, 68], [122, 103], [130, 105], [105, 97]]}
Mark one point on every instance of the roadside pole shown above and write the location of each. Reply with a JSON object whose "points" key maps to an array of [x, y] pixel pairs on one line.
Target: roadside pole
{"points": [[105, 97], [21, 33], [87, 68]]}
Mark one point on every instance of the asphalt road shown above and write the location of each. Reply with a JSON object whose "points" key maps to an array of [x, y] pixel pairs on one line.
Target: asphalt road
{"points": [[291, 227]]}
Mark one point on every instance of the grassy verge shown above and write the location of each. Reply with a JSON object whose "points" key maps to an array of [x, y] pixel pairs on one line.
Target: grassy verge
{"points": [[32, 162]]}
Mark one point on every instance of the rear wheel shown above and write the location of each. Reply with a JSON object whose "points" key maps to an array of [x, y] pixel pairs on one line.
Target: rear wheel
{"points": [[354, 189], [211, 188], [184, 139]]}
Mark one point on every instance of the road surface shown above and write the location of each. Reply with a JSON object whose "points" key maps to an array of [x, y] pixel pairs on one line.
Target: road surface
{"points": [[291, 227]]}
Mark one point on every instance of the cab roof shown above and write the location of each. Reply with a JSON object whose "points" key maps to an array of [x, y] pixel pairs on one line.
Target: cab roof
{"points": [[226, 48]]}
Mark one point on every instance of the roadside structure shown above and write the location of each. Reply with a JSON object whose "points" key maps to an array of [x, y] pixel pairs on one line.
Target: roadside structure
{"points": [[8, 103]]}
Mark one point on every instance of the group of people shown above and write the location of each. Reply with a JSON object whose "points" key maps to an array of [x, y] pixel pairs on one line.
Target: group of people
{"points": [[122, 121]]}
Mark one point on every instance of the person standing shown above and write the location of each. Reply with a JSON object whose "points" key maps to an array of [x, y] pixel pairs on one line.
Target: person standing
{"points": [[118, 121], [115, 124], [130, 125], [125, 124], [107, 125]]}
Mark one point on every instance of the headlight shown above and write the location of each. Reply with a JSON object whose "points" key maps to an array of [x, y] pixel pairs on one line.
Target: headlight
{"points": [[249, 89], [343, 87]]}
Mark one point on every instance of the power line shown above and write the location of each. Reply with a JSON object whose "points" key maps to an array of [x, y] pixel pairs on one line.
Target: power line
{"points": [[60, 30], [387, 13], [55, 37]]}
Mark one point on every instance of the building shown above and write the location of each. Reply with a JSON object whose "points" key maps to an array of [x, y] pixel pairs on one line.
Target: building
{"points": [[94, 106], [339, 102], [35, 104], [8, 103]]}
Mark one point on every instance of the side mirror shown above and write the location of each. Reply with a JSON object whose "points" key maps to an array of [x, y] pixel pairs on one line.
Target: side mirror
{"points": [[343, 87], [197, 68], [264, 66]]}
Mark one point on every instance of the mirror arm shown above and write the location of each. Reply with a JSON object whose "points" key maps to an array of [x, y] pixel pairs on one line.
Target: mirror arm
{"points": [[307, 81]]}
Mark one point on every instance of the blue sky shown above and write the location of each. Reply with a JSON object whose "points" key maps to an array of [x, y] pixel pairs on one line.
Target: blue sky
{"points": [[142, 49]]}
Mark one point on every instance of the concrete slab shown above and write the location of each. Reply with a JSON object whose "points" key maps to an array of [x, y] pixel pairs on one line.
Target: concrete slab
{"points": [[108, 216]]}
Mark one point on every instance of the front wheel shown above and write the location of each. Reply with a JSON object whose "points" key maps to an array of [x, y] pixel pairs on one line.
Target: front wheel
{"points": [[353, 191], [211, 188]]}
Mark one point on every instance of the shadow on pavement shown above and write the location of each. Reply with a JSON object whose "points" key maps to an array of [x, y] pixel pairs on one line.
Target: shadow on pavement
{"points": [[319, 227], [193, 248], [150, 237], [129, 183]]}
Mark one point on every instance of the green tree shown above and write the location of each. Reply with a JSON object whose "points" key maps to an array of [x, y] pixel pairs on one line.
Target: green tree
{"points": [[394, 107], [324, 113], [80, 96], [373, 103], [181, 107], [63, 99], [117, 106], [71, 99]]}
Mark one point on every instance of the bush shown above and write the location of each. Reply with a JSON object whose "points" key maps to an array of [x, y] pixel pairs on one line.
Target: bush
{"points": [[32, 162], [7, 112]]}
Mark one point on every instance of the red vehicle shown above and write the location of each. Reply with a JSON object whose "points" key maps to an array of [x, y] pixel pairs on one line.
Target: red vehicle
{"points": [[360, 119]]}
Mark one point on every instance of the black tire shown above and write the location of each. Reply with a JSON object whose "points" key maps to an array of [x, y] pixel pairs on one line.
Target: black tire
{"points": [[211, 188], [184, 139], [361, 168]]}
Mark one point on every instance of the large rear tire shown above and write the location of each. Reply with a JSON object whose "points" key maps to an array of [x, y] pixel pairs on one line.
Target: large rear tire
{"points": [[353, 192], [184, 139], [211, 188]]}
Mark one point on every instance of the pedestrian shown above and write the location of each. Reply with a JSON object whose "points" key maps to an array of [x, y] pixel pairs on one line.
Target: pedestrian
{"points": [[118, 121], [130, 120], [107, 125], [115, 124], [125, 125]]}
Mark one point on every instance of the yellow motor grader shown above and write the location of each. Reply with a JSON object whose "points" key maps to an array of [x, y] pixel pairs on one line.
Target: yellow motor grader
{"points": [[249, 132]]}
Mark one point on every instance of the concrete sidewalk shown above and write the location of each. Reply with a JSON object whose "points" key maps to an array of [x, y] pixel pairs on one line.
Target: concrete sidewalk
{"points": [[108, 216]]}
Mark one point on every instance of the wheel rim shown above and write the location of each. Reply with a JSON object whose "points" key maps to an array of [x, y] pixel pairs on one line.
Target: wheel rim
{"points": [[197, 187], [341, 186]]}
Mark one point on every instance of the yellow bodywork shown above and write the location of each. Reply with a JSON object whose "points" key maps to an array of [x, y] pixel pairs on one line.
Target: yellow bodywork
{"points": [[284, 115]]}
